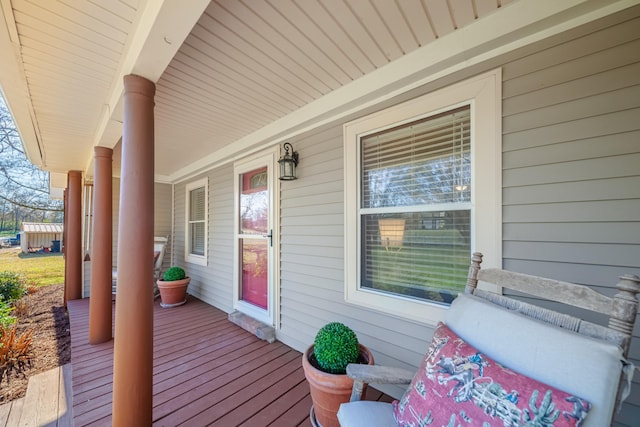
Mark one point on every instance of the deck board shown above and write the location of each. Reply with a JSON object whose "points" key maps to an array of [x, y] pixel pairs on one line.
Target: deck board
{"points": [[10, 413], [207, 371]]}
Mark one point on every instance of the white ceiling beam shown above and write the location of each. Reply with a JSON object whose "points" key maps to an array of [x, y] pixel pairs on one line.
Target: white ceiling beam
{"points": [[162, 27]]}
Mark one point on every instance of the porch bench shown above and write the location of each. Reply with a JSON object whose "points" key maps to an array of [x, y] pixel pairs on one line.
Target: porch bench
{"points": [[558, 350]]}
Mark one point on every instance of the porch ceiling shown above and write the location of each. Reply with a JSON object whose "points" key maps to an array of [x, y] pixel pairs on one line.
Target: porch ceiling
{"points": [[230, 74]]}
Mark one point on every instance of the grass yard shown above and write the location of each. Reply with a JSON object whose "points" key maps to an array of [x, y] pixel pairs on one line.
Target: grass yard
{"points": [[432, 272], [39, 269]]}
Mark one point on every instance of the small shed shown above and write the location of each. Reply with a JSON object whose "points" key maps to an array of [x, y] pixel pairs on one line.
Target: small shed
{"points": [[36, 236]]}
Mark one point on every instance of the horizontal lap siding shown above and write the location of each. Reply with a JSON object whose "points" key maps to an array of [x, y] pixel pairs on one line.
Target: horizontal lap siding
{"points": [[571, 165], [211, 283], [221, 214], [161, 217], [312, 261]]}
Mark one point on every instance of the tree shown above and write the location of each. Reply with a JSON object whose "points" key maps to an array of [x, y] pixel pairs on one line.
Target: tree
{"points": [[24, 194]]}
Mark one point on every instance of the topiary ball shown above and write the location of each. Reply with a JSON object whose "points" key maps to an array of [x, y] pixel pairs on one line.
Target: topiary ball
{"points": [[334, 347], [174, 273]]}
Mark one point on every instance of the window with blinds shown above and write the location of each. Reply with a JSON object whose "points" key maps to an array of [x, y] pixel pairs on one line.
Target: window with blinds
{"points": [[196, 225], [415, 207], [196, 220]]}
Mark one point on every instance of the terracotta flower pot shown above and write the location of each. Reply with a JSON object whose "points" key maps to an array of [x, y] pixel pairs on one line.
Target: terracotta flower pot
{"points": [[329, 391], [173, 293]]}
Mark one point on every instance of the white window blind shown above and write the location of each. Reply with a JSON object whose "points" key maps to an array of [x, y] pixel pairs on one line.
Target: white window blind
{"points": [[197, 211], [415, 207]]}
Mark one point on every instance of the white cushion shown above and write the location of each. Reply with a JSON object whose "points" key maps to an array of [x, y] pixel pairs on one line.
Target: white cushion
{"points": [[366, 413], [566, 360]]}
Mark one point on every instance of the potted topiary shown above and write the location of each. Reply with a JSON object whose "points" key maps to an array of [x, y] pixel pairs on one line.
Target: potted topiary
{"points": [[325, 364], [173, 287]]}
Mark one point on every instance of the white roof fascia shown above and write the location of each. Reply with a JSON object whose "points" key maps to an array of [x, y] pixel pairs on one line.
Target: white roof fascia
{"points": [[160, 31]]}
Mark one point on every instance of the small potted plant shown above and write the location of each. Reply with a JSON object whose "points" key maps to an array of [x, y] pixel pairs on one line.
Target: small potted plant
{"points": [[325, 364], [173, 287]]}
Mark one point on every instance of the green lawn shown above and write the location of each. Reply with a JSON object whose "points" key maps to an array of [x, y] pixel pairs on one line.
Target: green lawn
{"points": [[39, 269], [433, 272]]}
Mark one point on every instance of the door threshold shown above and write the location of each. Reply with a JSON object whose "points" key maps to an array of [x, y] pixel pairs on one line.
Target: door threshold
{"points": [[259, 329]]}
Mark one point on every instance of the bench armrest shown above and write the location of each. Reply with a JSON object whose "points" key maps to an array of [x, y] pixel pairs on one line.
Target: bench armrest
{"points": [[375, 374]]}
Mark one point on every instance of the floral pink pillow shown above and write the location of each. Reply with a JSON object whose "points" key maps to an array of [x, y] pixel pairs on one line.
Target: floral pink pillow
{"points": [[456, 385]]}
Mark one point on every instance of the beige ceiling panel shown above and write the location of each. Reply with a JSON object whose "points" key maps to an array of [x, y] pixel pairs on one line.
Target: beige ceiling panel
{"points": [[373, 23], [118, 15], [59, 70], [246, 82], [347, 19], [339, 46], [265, 53], [70, 19], [440, 15], [484, 7], [244, 56], [304, 41], [185, 87], [463, 12], [398, 22], [418, 21]]}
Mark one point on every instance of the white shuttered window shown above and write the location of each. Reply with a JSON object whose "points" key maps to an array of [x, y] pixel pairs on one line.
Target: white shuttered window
{"points": [[422, 192], [196, 222]]}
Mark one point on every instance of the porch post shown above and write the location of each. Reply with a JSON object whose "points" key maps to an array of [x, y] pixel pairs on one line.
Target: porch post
{"points": [[63, 243], [100, 318], [133, 352], [73, 252]]}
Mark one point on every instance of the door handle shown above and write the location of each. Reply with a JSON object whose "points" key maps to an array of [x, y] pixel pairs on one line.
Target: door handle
{"points": [[270, 236]]}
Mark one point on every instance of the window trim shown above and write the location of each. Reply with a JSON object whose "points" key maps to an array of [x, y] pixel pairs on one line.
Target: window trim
{"points": [[188, 256], [483, 93]]}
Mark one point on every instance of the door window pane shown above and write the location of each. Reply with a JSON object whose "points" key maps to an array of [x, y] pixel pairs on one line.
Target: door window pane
{"points": [[254, 256], [254, 202]]}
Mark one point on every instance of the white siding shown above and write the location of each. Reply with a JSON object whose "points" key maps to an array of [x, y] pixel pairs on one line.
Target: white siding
{"points": [[211, 283]]}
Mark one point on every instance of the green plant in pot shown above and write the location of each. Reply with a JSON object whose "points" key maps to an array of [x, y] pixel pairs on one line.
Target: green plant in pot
{"points": [[173, 287], [325, 364]]}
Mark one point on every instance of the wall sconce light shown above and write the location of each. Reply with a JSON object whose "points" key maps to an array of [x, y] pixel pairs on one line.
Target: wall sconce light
{"points": [[288, 163]]}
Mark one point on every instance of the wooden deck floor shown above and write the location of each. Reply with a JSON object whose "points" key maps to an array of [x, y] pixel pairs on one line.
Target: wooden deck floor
{"points": [[206, 371]]}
